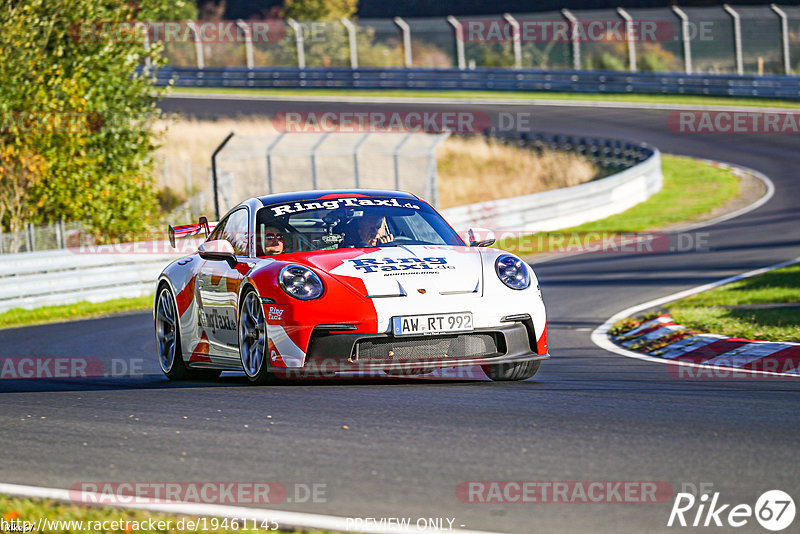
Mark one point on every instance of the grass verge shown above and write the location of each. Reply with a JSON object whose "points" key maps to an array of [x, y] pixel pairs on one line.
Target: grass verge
{"points": [[81, 310], [685, 100], [745, 308], [690, 191], [79, 519]]}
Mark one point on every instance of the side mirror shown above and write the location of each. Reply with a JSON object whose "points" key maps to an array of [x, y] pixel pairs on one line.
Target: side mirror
{"points": [[480, 237], [218, 249]]}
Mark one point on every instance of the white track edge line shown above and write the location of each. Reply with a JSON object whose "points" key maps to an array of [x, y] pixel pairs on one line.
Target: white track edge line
{"points": [[283, 518], [600, 334], [702, 224], [476, 101]]}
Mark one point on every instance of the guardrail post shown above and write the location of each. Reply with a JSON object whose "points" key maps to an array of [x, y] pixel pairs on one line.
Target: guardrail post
{"points": [[630, 37], [314, 159], [356, 170], [687, 39], [737, 38], [787, 66], [301, 47], [351, 32], [575, 37], [459, 35], [198, 45], [248, 43], [516, 40], [270, 148], [406, 29]]}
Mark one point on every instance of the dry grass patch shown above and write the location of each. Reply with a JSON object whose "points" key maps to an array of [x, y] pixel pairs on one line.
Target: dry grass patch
{"points": [[476, 170]]}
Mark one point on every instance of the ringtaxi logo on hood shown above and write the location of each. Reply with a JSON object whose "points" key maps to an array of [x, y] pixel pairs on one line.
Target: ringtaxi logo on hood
{"points": [[372, 265]]}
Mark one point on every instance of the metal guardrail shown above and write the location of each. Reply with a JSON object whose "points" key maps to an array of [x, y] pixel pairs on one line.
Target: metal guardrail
{"points": [[486, 79], [571, 206], [33, 279]]}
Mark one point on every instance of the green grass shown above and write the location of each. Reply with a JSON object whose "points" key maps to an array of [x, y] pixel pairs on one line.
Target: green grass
{"points": [[691, 190], [31, 510], [684, 100], [81, 310], [705, 312]]}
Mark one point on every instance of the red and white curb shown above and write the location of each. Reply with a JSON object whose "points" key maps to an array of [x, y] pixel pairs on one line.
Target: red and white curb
{"points": [[682, 351], [663, 338]]}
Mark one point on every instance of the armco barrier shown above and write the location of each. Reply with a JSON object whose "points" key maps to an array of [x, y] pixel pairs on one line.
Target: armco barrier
{"points": [[486, 79], [33, 279], [571, 206]]}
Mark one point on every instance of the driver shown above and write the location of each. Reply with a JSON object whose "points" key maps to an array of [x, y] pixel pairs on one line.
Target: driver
{"points": [[372, 231], [272, 240]]}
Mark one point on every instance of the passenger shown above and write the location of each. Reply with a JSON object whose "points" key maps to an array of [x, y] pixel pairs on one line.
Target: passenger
{"points": [[271, 240]]}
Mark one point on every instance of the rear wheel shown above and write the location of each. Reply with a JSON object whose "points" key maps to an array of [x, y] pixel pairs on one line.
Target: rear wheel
{"points": [[168, 339], [253, 339], [502, 372]]}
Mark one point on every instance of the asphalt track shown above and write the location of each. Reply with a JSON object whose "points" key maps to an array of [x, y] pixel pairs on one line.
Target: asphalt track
{"points": [[588, 415]]}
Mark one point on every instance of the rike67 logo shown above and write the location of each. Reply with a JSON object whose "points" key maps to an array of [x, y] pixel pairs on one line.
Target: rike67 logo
{"points": [[774, 510]]}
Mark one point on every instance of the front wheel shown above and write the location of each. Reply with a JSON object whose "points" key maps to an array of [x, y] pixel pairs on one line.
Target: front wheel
{"points": [[503, 372], [253, 339]]}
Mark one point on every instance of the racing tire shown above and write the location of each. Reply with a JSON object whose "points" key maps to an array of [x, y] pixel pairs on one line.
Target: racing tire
{"points": [[253, 346], [505, 372], [168, 336]]}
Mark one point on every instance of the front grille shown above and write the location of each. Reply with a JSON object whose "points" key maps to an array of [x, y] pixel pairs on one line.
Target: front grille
{"points": [[427, 348]]}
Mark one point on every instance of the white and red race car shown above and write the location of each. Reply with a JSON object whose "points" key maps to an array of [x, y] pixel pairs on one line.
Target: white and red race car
{"points": [[348, 282]]}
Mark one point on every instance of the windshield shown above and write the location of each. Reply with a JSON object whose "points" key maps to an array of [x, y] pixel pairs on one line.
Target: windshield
{"points": [[349, 222]]}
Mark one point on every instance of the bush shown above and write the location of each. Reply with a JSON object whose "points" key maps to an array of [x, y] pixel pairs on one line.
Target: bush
{"points": [[97, 170]]}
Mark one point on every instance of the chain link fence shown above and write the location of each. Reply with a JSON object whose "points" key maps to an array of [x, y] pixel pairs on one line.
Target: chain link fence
{"points": [[719, 39]]}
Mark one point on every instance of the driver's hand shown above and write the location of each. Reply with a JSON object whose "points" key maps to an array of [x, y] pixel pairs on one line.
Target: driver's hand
{"points": [[385, 238]]}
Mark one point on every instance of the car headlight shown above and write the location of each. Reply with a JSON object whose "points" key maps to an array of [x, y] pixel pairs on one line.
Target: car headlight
{"points": [[512, 271], [300, 282]]}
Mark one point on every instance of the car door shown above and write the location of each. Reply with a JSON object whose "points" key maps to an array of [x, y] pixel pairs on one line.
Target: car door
{"points": [[219, 289]]}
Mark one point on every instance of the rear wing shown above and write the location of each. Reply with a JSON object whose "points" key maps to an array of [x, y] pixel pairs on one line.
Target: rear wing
{"points": [[188, 230]]}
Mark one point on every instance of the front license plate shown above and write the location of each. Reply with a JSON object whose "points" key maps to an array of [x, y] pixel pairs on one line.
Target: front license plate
{"points": [[440, 323]]}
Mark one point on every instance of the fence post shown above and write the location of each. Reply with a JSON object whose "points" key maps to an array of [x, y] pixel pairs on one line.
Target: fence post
{"points": [[687, 39], [1, 239], [314, 159], [198, 45], [630, 37], [433, 192], [787, 66], [575, 37], [396, 158], [30, 237], [459, 34], [301, 47], [406, 29], [214, 172], [60, 237], [737, 38], [248, 43], [356, 148], [270, 148], [516, 39], [351, 32], [148, 63]]}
